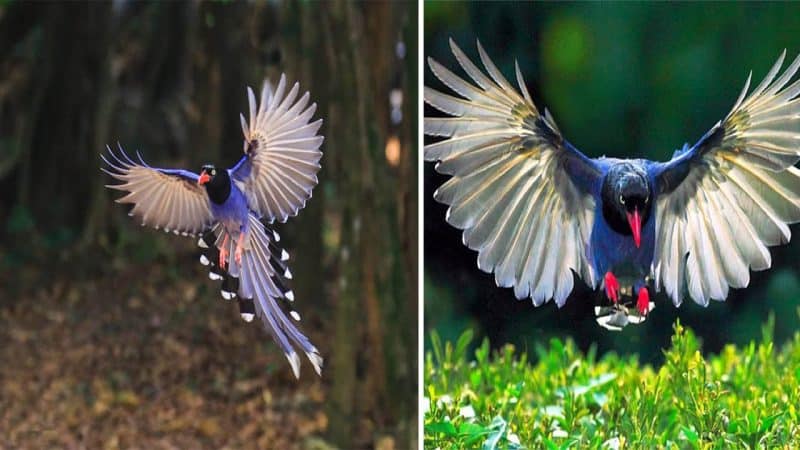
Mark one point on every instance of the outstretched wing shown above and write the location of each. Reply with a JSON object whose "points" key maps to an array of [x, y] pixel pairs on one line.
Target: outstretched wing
{"points": [[722, 202], [161, 198], [518, 189], [282, 154]]}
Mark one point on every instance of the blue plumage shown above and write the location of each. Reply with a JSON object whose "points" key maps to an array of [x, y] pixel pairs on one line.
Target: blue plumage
{"points": [[228, 208], [610, 250], [537, 210]]}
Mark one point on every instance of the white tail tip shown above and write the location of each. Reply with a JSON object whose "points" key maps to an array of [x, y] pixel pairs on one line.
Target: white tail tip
{"points": [[294, 361], [316, 360]]}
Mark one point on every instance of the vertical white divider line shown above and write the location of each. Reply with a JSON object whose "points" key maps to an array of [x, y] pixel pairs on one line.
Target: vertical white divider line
{"points": [[420, 219]]}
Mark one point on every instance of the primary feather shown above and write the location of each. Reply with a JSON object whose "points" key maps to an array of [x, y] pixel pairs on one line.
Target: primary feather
{"points": [[739, 193], [509, 191], [282, 154], [166, 199]]}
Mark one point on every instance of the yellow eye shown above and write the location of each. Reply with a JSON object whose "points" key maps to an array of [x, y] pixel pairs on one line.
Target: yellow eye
{"points": [[213, 172], [622, 199]]}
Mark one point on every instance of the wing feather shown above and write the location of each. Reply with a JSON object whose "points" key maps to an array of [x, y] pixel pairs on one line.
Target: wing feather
{"points": [[161, 198], [279, 169], [509, 191], [732, 195]]}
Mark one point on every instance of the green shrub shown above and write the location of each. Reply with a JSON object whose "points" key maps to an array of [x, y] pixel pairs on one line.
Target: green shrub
{"points": [[742, 398]]}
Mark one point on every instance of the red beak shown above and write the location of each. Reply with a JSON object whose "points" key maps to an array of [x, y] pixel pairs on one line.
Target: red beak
{"points": [[203, 179], [635, 222]]}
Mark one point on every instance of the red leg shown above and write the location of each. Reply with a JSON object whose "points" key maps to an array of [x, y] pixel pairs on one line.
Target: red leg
{"points": [[643, 301], [223, 251], [612, 286], [239, 248]]}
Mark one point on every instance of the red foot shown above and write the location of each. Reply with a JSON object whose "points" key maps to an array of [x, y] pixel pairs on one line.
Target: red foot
{"points": [[643, 302], [223, 255], [612, 287], [223, 252], [238, 254], [239, 247]]}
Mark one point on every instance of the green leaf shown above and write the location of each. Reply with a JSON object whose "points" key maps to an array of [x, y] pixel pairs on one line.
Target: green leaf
{"points": [[767, 423], [690, 435], [446, 428], [462, 344], [472, 432]]}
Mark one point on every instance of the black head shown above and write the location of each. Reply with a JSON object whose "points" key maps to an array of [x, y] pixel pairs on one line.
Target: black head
{"points": [[216, 182], [626, 197]]}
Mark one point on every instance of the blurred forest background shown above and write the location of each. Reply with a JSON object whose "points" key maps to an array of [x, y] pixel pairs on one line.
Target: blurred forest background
{"points": [[625, 80], [111, 336]]}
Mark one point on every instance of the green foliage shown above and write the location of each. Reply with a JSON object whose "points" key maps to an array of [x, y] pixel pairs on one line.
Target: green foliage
{"points": [[743, 398]]}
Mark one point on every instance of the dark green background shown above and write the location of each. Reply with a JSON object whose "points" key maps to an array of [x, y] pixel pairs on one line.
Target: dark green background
{"points": [[625, 80]]}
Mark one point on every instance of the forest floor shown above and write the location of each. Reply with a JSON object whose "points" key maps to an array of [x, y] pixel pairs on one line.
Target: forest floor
{"points": [[145, 356]]}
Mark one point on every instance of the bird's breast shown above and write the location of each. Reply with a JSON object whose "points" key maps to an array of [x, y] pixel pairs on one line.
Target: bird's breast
{"points": [[615, 252], [233, 212]]}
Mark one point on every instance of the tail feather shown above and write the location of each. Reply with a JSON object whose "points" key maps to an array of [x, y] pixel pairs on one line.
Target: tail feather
{"points": [[259, 283], [271, 285]]}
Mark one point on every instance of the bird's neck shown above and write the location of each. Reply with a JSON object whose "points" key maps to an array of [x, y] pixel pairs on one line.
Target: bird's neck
{"points": [[219, 192]]}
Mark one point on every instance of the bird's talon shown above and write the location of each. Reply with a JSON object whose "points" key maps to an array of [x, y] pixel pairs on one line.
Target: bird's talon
{"points": [[612, 287], [238, 253], [223, 255], [643, 301]]}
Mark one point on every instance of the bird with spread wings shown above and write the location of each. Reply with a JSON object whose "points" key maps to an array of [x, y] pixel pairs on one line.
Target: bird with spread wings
{"points": [[537, 210], [230, 209]]}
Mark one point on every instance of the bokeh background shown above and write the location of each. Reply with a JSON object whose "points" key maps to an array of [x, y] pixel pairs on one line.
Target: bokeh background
{"points": [[625, 80], [111, 335]]}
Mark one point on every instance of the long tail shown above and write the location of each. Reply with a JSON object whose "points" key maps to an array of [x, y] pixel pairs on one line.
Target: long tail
{"points": [[258, 284]]}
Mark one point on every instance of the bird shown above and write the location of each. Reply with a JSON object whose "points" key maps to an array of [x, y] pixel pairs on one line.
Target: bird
{"points": [[538, 210], [232, 210]]}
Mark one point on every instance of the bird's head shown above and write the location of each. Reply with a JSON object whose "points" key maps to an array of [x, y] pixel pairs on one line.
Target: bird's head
{"points": [[216, 182], [208, 176], [626, 199]]}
